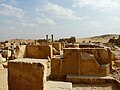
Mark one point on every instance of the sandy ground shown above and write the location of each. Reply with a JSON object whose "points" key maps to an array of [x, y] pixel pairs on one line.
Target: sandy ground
{"points": [[4, 86], [3, 79]]}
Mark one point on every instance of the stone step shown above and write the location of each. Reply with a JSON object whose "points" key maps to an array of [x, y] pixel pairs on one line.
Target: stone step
{"points": [[89, 79], [58, 85]]}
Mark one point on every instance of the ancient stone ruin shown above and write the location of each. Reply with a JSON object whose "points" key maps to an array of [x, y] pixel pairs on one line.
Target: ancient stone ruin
{"points": [[115, 41], [53, 65]]}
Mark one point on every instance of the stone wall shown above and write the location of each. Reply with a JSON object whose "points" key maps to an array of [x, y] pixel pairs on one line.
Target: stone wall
{"points": [[85, 61], [89, 66], [39, 51], [56, 66], [57, 46], [70, 61], [27, 74]]}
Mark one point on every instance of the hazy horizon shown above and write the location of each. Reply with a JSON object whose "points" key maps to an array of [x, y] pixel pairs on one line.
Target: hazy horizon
{"points": [[34, 19]]}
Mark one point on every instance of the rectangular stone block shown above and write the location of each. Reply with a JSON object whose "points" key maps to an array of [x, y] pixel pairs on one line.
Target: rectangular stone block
{"points": [[89, 79], [27, 74], [70, 64], [54, 85], [69, 68], [56, 66], [57, 46], [86, 61], [21, 51], [71, 54], [102, 55], [39, 51]]}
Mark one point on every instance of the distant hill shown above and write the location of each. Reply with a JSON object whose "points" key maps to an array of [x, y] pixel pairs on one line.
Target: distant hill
{"points": [[103, 38]]}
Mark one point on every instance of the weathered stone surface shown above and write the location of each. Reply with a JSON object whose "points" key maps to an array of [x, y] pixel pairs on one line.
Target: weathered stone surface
{"points": [[6, 54], [3, 79], [27, 74], [89, 79], [21, 51], [70, 61], [1, 66], [57, 46], [55, 52], [117, 63], [83, 61], [5, 64], [0, 55], [100, 54], [62, 45], [2, 59], [53, 85], [115, 41], [72, 45], [34, 51], [39, 51], [56, 66]]}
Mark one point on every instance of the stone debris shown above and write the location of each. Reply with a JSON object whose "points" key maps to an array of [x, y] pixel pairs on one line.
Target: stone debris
{"points": [[46, 64], [1, 66]]}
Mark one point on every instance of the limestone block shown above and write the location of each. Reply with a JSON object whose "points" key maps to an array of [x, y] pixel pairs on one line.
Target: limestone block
{"points": [[2, 59], [85, 61], [55, 52], [71, 54], [91, 68], [88, 63], [5, 64], [102, 55], [62, 45], [69, 68], [93, 63], [7, 44], [89, 79], [57, 46], [54, 85], [56, 66], [20, 51], [6, 53], [70, 61], [27, 74], [39, 51], [87, 56], [0, 55], [1, 66]]}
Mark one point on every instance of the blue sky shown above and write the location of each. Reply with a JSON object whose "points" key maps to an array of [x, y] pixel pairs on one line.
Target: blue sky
{"points": [[64, 18]]}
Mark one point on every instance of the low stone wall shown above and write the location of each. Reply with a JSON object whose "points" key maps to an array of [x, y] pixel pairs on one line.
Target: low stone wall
{"points": [[70, 65], [39, 51], [27, 74], [83, 61], [92, 80]]}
